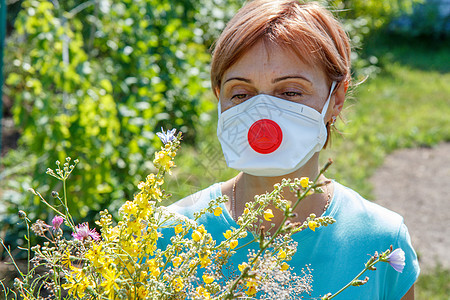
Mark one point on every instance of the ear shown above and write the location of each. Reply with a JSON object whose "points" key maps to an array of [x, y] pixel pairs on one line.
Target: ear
{"points": [[339, 98], [216, 92]]}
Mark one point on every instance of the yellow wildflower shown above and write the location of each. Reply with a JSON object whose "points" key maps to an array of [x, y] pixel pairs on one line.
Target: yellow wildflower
{"points": [[150, 248], [282, 254], [242, 266], [111, 234], [251, 291], [155, 193], [284, 266], [77, 284], [163, 159], [217, 211], [196, 236], [201, 229], [246, 211], [96, 256], [203, 293], [142, 292], [192, 264], [141, 200], [177, 261], [109, 282], [304, 181], [208, 278], [142, 276], [156, 272], [205, 262], [227, 234], [313, 225], [268, 215], [154, 234], [141, 185], [178, 228], [151, 178], [178, 284], [251, 284], [131, 247], [153, 267], [134, 227], [129, 207], [65, 259], [204, 259], [76, 288], [129, 267], [233, 244]]}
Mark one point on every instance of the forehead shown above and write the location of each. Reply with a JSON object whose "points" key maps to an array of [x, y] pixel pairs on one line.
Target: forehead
{"points": [[269, 59]]}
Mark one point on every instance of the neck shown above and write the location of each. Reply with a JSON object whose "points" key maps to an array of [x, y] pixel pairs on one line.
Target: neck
{"points": [[247, 186], [264, 184]]}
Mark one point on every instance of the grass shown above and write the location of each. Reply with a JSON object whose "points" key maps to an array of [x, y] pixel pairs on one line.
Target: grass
{"points": [[434, 285], [406, 105], [402, 107]]}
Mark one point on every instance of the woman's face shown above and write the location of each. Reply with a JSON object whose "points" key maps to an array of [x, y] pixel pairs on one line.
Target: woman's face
{"points": [[269, 69]]}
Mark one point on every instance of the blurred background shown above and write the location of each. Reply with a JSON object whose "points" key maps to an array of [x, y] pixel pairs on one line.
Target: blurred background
{"points": [[95, 80]]}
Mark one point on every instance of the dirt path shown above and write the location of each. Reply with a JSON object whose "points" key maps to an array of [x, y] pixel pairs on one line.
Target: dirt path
{"points": [[416, 184]]}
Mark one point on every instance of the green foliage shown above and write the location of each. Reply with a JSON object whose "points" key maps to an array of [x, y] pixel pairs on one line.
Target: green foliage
{"points": [[377, 12], [95, 80], [55, 99], [361, 18]]}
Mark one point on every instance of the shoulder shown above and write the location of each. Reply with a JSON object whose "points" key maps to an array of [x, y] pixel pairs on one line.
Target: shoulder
{"points": [[197, 201], [365, 216], [354, 203]]}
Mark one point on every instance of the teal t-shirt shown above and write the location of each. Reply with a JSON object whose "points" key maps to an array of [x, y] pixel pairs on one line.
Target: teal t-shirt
{"points": [[337, 253]]}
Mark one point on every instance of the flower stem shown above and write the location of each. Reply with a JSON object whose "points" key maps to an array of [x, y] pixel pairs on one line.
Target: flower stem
{"points": [[356, 278], [277, 232]]}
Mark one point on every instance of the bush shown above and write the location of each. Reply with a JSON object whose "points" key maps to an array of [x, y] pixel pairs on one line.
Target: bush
{"points": [[95, 80]]}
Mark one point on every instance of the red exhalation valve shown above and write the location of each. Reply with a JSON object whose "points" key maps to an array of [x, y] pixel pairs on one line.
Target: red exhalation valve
{"points": [[265, 136]]}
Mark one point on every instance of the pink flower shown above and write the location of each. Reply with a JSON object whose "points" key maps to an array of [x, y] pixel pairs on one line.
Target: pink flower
{"points": [[82, 232], [397, 259], [57, 221]]}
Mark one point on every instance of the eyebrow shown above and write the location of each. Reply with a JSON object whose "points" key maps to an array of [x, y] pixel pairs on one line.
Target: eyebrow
{"points": [[273, 81], [291, 77], [238, 78]]}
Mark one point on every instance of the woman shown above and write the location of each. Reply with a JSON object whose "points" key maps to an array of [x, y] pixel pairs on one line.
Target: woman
{"points": [[280, 71]]}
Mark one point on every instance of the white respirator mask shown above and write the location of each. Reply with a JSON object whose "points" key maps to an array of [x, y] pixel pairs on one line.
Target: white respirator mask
{"points": [[270, 136]]}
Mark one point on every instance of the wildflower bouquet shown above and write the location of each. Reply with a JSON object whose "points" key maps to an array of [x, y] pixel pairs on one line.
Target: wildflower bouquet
{"points": [[152, 253]]}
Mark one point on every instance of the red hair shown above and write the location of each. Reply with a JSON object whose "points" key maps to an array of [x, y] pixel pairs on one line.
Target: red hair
{"points": [[308, 29]]}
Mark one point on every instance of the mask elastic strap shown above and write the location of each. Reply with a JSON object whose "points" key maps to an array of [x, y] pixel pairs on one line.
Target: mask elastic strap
{"points": [[325, 107]]}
